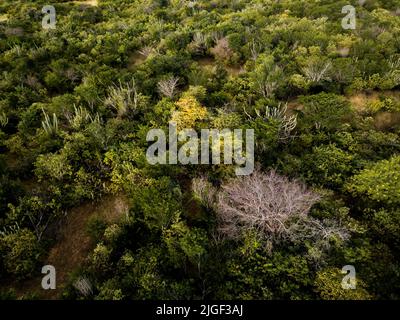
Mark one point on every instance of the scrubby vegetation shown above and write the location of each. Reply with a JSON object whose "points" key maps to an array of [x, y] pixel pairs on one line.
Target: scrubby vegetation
{"points": [[77, 101]]}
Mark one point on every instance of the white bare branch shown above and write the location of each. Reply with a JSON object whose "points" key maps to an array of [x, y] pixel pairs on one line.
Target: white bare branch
{"points": [[167, 87], [264, 202]]}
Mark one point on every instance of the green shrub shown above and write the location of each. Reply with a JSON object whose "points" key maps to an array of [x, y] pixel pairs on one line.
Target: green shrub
{"points": [[20, 253]]}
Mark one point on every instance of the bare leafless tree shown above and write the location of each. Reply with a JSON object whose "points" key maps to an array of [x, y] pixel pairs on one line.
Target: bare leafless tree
{"points": [[167, 87], [287, 122], [317, 230], [264, 202], [320, 233], [276, 208]]}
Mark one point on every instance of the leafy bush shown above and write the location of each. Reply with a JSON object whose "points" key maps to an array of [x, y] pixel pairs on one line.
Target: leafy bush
{"points": [[20, 253]]}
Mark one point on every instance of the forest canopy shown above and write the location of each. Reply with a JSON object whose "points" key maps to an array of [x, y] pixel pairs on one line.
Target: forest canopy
{"points": [[78, 98]]}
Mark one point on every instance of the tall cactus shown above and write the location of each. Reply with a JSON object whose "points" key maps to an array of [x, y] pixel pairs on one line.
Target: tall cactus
{"points": [[50, 126], [3, 119]]}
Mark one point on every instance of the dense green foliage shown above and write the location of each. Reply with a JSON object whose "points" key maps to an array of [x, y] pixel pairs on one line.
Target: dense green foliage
{"points": [[77, 101]]}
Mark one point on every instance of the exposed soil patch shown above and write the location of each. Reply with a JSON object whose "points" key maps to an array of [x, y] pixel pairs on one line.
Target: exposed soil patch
{"points": [[234, 71], [206, 62], [386, 120], [361, 100], [383, 120], [293, 105], [74, 244], [136, 59]]}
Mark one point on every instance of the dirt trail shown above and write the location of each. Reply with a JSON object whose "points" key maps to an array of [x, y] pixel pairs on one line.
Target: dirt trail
{"points": [[74, 244]]}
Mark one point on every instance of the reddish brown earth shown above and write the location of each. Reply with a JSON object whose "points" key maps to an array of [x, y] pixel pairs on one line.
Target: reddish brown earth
{"points": [[74, 244]]}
